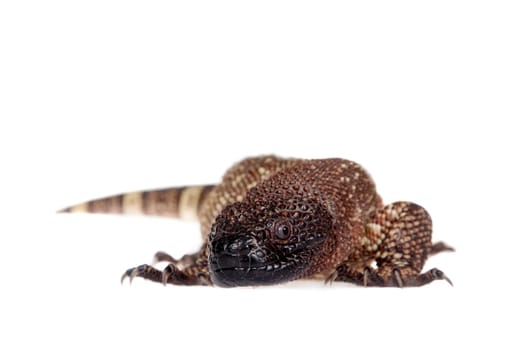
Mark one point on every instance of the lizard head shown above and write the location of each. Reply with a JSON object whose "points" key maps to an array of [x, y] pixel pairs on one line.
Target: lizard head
{"points": [[261, 242]]}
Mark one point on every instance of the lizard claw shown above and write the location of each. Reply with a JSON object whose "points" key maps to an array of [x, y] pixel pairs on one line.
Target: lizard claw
{"points": [[124, 275], [398, 279], [331, 278], [366, 272], [167, 272], [131, 274], [439, 275]]}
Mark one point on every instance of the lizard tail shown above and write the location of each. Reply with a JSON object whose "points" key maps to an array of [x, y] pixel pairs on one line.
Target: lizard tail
{"points": [[178, 202]]}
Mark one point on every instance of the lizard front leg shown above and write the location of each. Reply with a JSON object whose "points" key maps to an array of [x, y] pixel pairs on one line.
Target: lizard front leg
{"points": [[189, 270], [398, 239]]}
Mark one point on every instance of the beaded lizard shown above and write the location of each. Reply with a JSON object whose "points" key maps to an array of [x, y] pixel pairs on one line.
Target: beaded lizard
{"points": [[273, 220]]}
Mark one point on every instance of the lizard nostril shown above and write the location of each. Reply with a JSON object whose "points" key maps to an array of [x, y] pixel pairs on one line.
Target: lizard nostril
{"points": [[239, 246], [233, 247]]}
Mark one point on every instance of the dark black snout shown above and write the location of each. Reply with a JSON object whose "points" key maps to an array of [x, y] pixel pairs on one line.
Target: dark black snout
{"points": [[240, 261], [230, 259]]}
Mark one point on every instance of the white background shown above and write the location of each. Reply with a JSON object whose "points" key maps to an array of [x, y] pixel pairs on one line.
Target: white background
{"points": [[102, 97]]}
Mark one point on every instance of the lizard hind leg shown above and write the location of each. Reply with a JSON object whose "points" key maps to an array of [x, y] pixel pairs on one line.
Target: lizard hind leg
{"points": [[403, 241]]}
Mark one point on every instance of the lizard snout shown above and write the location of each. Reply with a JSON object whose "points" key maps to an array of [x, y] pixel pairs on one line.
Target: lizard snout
{"points": [[229, 258]]}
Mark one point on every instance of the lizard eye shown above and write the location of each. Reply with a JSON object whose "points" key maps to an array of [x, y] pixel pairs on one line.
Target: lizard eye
{"points": [[282, 230]]}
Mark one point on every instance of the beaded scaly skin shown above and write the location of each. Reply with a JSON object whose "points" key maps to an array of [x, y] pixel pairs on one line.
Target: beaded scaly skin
{"points": [[272, 220]]}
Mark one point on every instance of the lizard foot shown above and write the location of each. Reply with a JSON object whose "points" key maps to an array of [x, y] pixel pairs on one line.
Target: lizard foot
{"points": [[170, 275], [406, 278], [191, 269], [370, 277], [144, 271]]}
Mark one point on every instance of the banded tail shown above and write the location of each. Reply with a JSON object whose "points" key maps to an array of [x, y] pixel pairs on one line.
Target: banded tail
{"points": [[178, 202]]}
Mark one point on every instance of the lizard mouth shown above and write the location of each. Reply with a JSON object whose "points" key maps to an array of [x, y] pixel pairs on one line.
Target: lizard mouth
{"points": [[241, 262], [237, 276]]}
